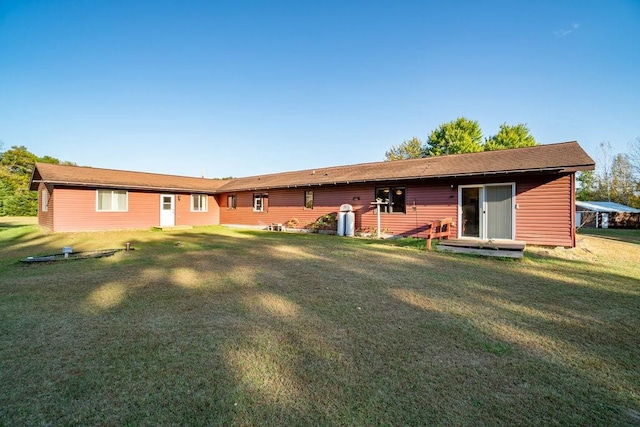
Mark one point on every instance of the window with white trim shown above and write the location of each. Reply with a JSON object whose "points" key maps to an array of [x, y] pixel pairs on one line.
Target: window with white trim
{"points": [[258, 202], [112, 200], [45, 200], [198, 203]]}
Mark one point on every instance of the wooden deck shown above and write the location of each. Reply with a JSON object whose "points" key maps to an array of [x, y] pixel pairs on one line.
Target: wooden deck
{"points": [[497, 248]]}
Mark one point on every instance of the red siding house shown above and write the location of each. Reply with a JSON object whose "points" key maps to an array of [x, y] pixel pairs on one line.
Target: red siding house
{"points": [[525, 194]]}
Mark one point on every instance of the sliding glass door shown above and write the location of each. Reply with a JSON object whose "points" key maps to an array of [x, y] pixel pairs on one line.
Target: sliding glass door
{"points": [[486, 211]]}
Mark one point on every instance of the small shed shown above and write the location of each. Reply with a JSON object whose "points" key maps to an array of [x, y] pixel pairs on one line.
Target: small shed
{"points": [[606, 215]]}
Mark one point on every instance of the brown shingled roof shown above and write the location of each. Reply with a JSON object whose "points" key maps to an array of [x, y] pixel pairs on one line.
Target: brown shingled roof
{"points": [[561, 157], [96, 177]]}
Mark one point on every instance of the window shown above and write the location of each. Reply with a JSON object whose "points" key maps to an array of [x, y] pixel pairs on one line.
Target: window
{"points": [[308, 199], [231, 201], [198, 203], [45, 200], [259, 201], [111, 201], [393, 199]]}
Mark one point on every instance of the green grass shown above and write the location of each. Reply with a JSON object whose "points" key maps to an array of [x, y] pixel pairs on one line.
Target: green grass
{"points": [[214, 326], [625, 235]]}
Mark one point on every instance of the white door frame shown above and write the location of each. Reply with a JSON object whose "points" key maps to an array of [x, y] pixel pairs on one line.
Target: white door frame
{"points": [[167, 216], [483, 208]]}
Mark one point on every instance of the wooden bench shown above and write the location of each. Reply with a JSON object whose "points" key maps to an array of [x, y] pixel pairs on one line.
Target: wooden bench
{"points": [[440, 229]]}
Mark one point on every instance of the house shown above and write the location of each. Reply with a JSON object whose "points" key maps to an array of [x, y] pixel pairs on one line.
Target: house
{"points": [[525, 194], [606, 214]]}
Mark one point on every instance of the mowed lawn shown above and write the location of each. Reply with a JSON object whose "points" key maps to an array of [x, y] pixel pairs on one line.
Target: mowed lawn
{"points": [[215, 326]]}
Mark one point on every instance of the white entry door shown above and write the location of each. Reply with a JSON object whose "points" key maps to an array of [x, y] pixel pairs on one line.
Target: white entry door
{"points": [[167, 210]]}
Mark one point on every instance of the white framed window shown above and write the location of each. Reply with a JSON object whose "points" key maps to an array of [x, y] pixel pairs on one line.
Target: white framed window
{"points": [[259, 202], [112, 200], [45, 200], [198, 203]]}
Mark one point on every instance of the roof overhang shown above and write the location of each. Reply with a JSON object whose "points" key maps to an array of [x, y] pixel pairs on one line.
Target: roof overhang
{"points": [[408, 178], [36, 182]]}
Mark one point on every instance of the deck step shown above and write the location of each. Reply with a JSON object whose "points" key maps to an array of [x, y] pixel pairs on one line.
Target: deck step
{"points": [[496, 248]]}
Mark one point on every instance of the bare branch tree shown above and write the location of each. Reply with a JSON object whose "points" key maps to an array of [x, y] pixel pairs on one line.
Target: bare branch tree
{"points": [[605, 162], [634, 156]]}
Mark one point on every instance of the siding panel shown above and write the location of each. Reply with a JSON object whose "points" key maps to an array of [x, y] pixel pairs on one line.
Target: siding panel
{"points": [[184, 215], [75, 210], [431, 203], [45, 218], [543, 216]]}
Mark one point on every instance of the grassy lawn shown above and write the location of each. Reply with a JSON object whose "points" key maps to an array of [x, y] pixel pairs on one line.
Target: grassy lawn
{"points": [[214, 326]]}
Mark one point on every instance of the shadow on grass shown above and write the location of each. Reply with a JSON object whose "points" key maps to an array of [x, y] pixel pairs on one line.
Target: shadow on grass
{"points": [[212, 327]]}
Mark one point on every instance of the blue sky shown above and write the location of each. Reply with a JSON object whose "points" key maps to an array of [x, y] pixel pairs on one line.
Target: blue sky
{"points": [[238, 88]]}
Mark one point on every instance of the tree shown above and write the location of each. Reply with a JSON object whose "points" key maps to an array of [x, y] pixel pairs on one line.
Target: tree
{"points": [[623, 184], [408, 149], [604, 177], [634, 156], [18, 160], [459, 136], [510, 137], [16, 167], [614, 179], [587, 181], [463, 136]]}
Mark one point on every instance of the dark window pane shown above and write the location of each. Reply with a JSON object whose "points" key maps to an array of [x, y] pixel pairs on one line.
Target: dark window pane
{"points": [[383, 194], [308, 199], [398, 199]]}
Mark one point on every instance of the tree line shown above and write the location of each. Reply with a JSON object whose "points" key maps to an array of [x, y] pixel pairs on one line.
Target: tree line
{"points": [[616, 178], [462, 136], [16, 168]]}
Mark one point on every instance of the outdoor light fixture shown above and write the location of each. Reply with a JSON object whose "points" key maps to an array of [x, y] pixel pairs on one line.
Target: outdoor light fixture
{"points": [[398, 192]]}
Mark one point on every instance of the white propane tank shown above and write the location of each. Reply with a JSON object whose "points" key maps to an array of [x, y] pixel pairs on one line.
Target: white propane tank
{"points": [[349, 224], [346, 223], [341, 222]]}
